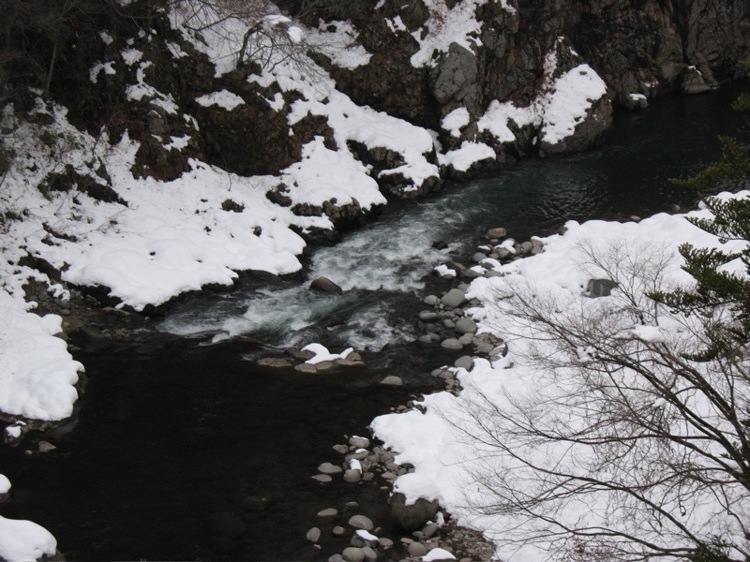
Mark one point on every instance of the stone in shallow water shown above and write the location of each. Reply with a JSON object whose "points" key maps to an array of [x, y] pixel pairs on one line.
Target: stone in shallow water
{"points": [[392, 380], [330, 468], [313, 535], [359, 442], [417, 549], [325, 285], [323, 478], [453, 298], [353, 554], [361, 522], [352, 475], [466, 325], [274, 362], [451, 343], [306, 368], [465, 362], [328, 513]]}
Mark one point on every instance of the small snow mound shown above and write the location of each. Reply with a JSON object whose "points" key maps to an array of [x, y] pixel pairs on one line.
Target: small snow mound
{"points": [[21, 541]]}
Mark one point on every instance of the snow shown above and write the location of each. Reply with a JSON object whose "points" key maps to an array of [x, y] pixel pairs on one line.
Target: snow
{"points": [[322, 354], [338, 40], [573, 94], [37, 374], [467, 155], [456, 120], [223, 98], [445, 26], [447, 445], [438, 554], [499, 115], [365, 535], [4, 484], [23, 541]]}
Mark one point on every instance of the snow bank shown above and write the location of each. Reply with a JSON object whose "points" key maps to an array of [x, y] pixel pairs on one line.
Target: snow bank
{"points": [[24, 541], [37, 374], [468, 154], [448, 444]]}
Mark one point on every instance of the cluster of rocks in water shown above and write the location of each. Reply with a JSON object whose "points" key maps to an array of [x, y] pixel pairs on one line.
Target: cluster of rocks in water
{"points": [[298, 359], [429, 533]]}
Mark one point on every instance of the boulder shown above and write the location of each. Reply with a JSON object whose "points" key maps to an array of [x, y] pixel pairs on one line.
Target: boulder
{"points": [[466, 325], [326, 286], [361, 522], [599, 288], [392, 380], [453, 298], [496, 233], [414, 516], [353, 554], [313, 535]]}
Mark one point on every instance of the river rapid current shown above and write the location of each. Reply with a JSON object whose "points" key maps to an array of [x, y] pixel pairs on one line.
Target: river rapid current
{"points": [[183, 448]]}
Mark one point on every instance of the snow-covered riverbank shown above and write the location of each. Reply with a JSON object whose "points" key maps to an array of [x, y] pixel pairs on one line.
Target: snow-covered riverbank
{"points": [[470, 450]]}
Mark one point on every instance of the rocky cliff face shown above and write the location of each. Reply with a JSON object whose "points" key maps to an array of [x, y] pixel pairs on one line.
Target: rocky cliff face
{"points": [[641, 48]]}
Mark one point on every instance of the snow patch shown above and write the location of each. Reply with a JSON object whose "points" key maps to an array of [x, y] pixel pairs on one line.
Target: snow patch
{"points": [[222, 98]]}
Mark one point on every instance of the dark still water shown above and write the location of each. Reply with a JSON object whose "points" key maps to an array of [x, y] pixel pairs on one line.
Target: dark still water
{"points": [[183, 450]]}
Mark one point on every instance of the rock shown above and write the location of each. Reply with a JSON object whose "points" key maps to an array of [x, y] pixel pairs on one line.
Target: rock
{"points": [[336, 558], [352, 475], [339, 531], [496, 233], [466, 339], [392, 380], [454, 79], [524, 247], [453, 298], [361, 522], [479, 257], [428, 316], [359, 442], [417, 549], [353, 554], [341, 448], [431, 300], [503, 253], [274, 362], [313, 535], [599, 288], [370, 554], [328, 513], [429, 530], [693, 82], [306, 368], [46, 447], [451, 343], [323, 478], [385, 543], [464, 362], [330, 468], [325, 285], [414, 516], [324, 366], [466, 325]]}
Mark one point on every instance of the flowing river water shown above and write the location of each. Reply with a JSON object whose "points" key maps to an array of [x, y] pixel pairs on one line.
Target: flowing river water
{"points": [[184, 448]]}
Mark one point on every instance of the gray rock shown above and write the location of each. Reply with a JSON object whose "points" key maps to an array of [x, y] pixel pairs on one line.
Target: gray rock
{"points": [[451, 343], [430, 530], [336, 558], [359, 442], [392, 380], [353, 554], [599, 288], [524, 247], [479, 257], [46, 447], [352, 475], [361, 522], [453, 298], [466, 325], [306, 368], [503, 253], [385, 543], [431, 300], [464, 362], [330, 468], [428, 316], [323, 478], [362, 541], [341, 449], [329, 513], [455, 78], [496, 233], [339, 531], [313, 535], [326, 286], [274, 362], [414, 516], [324, 366], [417, 549], [370, 554]]}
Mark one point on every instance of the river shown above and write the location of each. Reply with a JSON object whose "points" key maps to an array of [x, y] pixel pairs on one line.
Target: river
{"points": [[183, 448]]}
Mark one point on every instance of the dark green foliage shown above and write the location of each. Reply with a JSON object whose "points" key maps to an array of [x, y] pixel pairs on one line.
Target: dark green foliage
{"points": [[716, 287]]}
